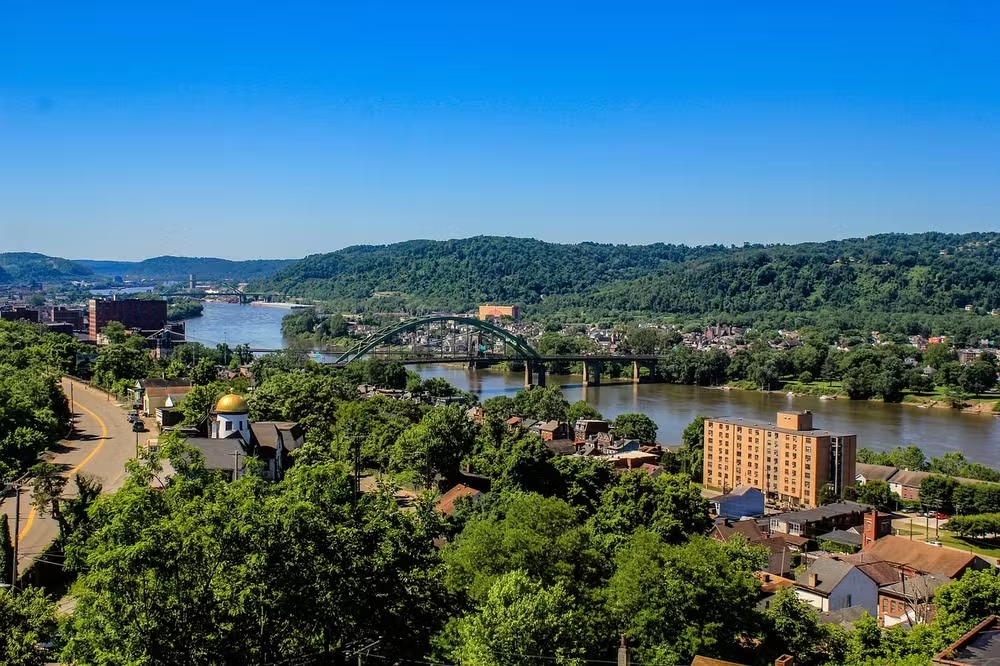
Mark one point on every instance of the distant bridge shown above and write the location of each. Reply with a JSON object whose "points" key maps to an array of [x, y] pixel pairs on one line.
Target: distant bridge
{"points": [[516, 349], [244, 296]]}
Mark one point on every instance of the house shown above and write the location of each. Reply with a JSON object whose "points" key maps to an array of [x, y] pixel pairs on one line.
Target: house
{"points": [[917, 557], [561, 447], [551, 430], [475, 414], [830, 584], [769, 585], [740, 502], [848, 540], [822, 519], [863, 473], [448, 502], [584, 429], [906, 484], [909, 600], [231, 439], [979, 647], [137, 392], [780, 558], [155, 397], [632, 460]]}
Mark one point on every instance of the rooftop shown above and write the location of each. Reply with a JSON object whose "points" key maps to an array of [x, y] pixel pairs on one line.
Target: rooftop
{"points": [[920, 556], [446, 504], [771, 425], [829, 572], [826, 511], [875, 472], [919, 587], [844, 537], [979, 647]]}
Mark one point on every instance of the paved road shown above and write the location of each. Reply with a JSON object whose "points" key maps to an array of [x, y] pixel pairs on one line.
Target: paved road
{"points": [[102, 443]]}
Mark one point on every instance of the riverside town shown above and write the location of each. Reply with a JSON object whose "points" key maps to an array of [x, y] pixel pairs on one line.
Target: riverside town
{"points": [[500, 335]]}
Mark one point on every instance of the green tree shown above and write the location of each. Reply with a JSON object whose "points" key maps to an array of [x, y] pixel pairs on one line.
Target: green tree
{"points": [[542, 403], [693, 451], [667, 505], [583, 480], [114, 331], [936, 355], [793, 627], [433, 449], [28, 619], [243, 353], [666, 597], [204, 372], [541, 536], [6, 550], [521, 622], [936, 493], [635, 426], [46, 492], [978, 377], [581, 409], [878, 494], [965, 602]]}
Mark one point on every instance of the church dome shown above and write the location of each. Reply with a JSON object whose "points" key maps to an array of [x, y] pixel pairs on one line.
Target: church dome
{"points": [[232, 404]]}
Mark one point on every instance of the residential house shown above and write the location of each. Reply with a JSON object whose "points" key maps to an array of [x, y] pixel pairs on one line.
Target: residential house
{"points": [[551, 430], [449, 501], [584, 429], [822, 519], [156, 397], [830, 584], [137, 392], [910, 600], [865, 472], [780, 558], [848, 540], [561, 447], [740, 502], [917, 557], [475, 414], [979, 647]]}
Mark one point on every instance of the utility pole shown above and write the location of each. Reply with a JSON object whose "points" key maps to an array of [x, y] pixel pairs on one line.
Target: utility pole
{"points": [[236, 463], [17, 535], [356, 451]]}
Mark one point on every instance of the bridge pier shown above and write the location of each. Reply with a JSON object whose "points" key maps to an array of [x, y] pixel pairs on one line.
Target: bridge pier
{"points": [[592, 373], [635, 372], [534, 371]]}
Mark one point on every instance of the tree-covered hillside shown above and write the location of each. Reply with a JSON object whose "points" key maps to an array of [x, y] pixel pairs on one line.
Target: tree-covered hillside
{"points": [[27, 267], [930, 273], [179, 268]]}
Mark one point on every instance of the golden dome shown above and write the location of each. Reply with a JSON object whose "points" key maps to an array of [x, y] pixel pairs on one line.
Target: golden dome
{"points": [[232, 404]]}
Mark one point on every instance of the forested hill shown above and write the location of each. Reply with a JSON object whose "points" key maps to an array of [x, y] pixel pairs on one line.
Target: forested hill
{"points": [[931, 273], [27, 267], [179, 268]]}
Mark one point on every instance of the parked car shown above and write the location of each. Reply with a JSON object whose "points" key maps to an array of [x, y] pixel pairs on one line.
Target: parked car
{"points": [[907, 509], [934, 543], [138, 426], [943, 516], [132, 416]]}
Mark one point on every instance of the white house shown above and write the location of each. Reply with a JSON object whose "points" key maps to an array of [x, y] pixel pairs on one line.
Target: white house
{"points": [[830, 584]]}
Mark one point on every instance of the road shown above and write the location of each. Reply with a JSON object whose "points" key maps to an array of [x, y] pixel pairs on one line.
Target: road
{"points": [[101, 444]]}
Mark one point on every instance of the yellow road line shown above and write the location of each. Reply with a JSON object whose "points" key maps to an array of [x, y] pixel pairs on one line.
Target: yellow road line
{"points": [[100, 443]]}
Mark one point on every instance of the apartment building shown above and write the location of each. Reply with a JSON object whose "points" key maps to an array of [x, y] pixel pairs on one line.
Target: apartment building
{"points": [[788, 460]]}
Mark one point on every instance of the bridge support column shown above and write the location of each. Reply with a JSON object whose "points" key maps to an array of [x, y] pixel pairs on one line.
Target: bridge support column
{"points": [[534, 375], [592, 373], [635, 372]]}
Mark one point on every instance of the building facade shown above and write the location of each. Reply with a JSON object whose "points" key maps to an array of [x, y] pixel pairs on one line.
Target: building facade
{"points": [[131, 312], [788, 460], [498, 311]]}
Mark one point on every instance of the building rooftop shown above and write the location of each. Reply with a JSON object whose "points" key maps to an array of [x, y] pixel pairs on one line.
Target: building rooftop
{"points": [[446, 504], [829, 572], [845, 537], [979, 647], [919, 556], [771, 425], [738, 491], [919, 587], [825, 511], [875, 472]]}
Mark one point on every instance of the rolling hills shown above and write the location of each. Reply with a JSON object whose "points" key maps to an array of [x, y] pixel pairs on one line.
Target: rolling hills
{"points": [[932, 273], [179, 268], [27, 267]]}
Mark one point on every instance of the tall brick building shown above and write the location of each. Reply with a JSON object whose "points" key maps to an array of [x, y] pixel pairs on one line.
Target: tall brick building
{"points": [[788, 460], [131, 312], [498, 311]]}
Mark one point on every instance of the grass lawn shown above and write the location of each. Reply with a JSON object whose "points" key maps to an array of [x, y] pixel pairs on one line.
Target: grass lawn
{"points": [[980, 547]]}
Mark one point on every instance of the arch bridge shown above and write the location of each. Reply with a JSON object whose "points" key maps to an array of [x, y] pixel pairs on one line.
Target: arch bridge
{"points": [[485, 344]]}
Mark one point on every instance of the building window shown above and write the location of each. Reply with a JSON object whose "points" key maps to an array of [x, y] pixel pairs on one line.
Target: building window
{"points": [[229, 426]]}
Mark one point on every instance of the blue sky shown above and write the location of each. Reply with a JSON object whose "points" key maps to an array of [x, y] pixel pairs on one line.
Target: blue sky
{"points": [[243, 129]]}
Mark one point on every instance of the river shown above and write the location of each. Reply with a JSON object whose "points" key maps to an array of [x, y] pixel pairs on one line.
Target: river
{"points": [[672, 407]]}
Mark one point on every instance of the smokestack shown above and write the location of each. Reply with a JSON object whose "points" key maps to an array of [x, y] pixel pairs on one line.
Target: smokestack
{"points": [[813, 580]]}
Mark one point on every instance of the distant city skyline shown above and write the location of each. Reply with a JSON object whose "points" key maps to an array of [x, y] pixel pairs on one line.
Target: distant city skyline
{"points": [[130, 130]]}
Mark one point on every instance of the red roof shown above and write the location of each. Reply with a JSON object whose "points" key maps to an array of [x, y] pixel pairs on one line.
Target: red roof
{"points": [[446, 504]]}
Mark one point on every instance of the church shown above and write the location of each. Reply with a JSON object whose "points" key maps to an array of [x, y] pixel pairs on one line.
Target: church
{"points": [[227, 438]]}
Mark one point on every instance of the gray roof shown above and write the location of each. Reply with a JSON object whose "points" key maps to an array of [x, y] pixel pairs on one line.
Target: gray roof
{"points": [[829, 573], [826, 511], [770, 425], [845, 617], [218, 453], [875, 472], [266, 434], [841, 536], [919, 587], [738, 491]]}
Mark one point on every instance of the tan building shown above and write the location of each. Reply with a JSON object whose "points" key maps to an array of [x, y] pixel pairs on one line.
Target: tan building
{"points": [[498, 311], [789, 460]]}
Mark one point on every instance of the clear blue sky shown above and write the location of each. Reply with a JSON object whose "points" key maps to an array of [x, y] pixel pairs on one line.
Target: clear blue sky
{"points": [[279, 129]]}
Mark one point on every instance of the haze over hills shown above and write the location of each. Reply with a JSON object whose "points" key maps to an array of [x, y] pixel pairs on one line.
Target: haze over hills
{"points": [[179, 268], [933, 273]]}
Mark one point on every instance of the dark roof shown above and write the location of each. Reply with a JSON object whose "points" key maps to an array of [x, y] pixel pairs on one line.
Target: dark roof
{"points": [[841, 536], [845, 617], [883, 573], [266, 434], [747, 528], [562, 447], [979, 647], [218, 453], [157, 382], [738, 491], [829, 573], [875, 472], [826, 511], [919, 587]]}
